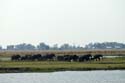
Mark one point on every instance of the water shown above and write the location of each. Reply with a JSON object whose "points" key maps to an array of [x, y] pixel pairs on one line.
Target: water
{"points": [[116, 76], [114, 56]]}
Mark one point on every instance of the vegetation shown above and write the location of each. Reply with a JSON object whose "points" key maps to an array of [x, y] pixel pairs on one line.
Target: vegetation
{"points": [[50, 66], [7, 65], [111, 52], [105, 45], [44, 46]]}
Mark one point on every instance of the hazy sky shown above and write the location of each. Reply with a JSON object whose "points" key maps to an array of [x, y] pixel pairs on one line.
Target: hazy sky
{"points": [[61, 21]]}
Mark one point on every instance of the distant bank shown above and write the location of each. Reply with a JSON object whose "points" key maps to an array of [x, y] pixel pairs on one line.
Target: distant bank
{"points": [[105, 52]]}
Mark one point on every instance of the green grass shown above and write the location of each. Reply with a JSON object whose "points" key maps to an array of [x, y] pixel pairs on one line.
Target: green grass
{"points": [[49, 66]]}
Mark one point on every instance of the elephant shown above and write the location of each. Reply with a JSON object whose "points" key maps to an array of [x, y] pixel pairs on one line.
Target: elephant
{"points": [[97, 57], [60, 58], [85, 58], [37, 57], [48, 57], [73, 58], [26, 57], [67, 58], [15, 57]]}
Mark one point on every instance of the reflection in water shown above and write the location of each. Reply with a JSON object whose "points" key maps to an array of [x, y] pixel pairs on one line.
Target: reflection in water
{"points": [[65, 77]]}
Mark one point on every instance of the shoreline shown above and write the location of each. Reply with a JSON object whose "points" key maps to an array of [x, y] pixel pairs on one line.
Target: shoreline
{"points": [[35, 70]]}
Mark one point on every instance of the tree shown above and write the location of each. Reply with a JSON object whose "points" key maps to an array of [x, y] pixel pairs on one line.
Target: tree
{"points": [[65, 47], [10, 47], [55, 47], [105, 45], [24, 46], [0, 47], [43, 46]]}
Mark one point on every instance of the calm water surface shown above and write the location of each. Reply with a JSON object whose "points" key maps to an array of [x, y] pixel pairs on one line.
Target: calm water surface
{"points": [[116, 76]]}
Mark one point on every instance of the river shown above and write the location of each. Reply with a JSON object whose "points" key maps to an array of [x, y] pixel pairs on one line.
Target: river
{"points": [[113, 76]]}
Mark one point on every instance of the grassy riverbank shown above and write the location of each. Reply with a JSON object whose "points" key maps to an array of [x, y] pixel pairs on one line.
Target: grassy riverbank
{"points": [[51, 66]]}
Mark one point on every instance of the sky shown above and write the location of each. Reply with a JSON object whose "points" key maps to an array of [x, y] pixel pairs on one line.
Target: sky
{"points": [[61, 21]]}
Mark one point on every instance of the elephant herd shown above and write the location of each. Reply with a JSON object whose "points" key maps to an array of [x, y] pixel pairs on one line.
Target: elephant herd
{"points": [[53, 57]]}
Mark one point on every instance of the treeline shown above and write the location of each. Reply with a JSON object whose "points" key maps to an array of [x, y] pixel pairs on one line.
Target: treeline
{"points": [[40, 46], [44, 46], [105, 45]]}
